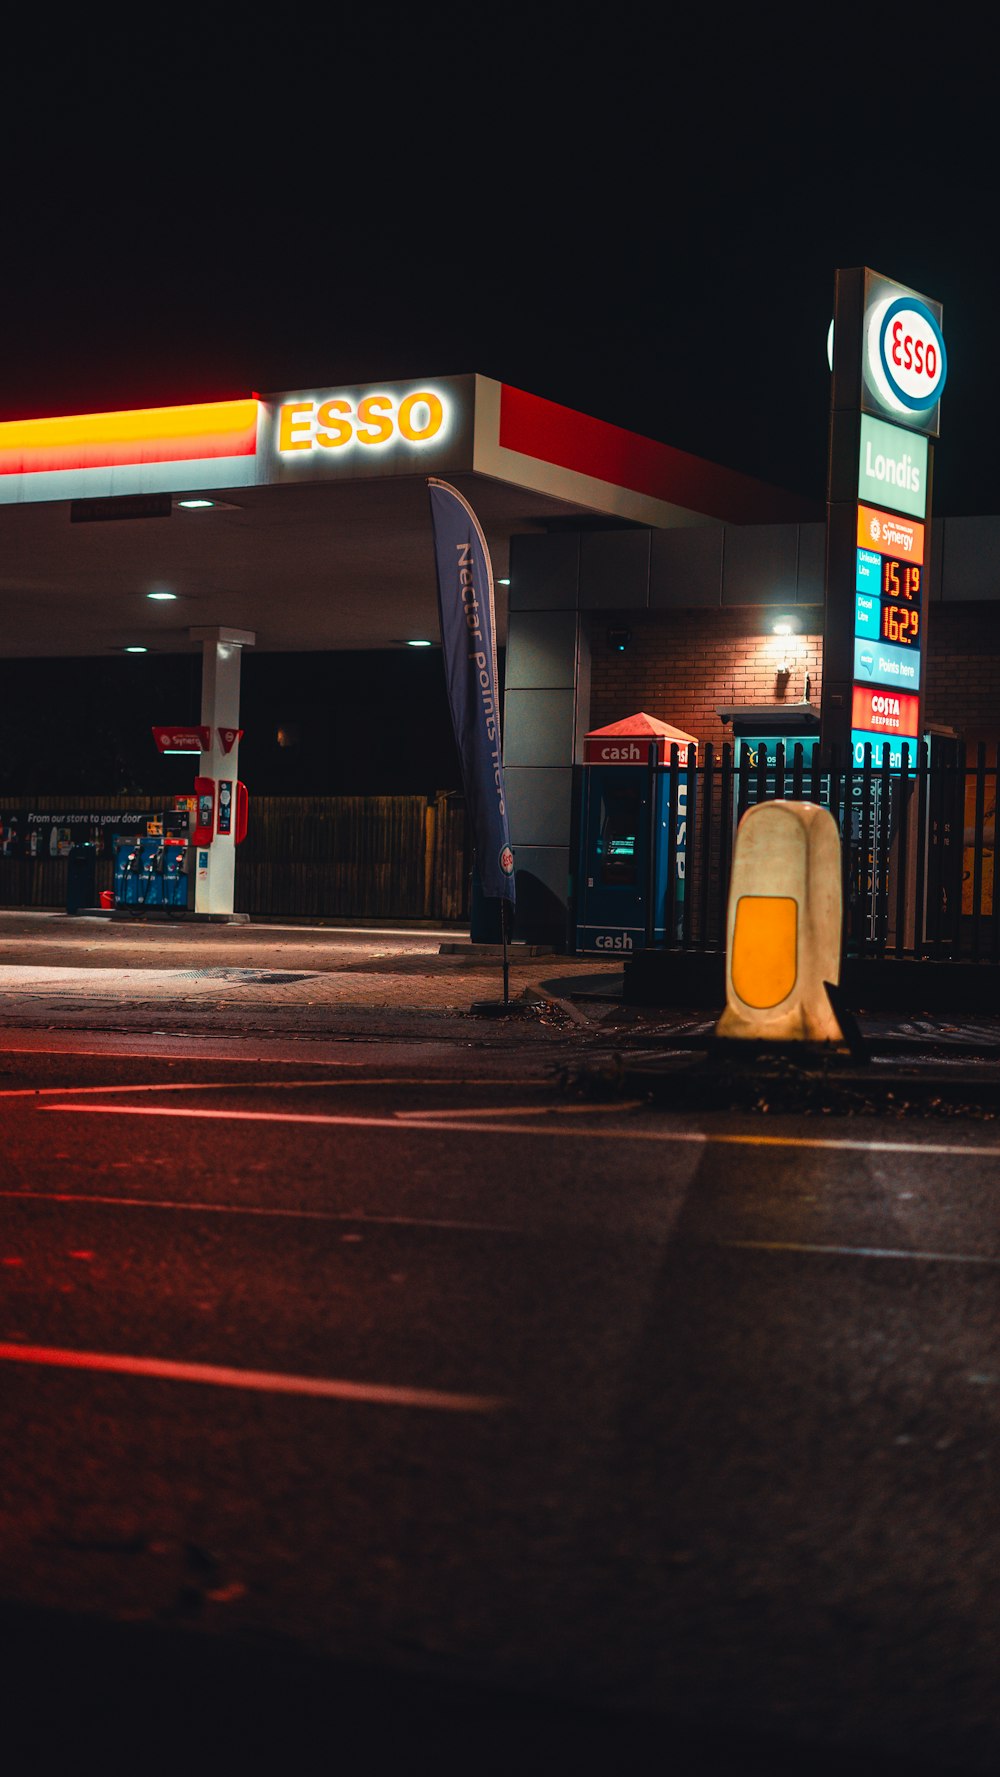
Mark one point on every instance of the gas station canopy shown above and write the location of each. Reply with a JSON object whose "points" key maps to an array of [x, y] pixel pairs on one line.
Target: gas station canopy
{"points": [[303, 517]]}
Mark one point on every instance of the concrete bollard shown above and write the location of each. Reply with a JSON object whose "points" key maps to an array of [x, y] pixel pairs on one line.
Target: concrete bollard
{"points": [[783, 926]]}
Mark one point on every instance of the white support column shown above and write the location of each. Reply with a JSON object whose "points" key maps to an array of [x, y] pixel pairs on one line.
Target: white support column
{"points": [[215, 864]]}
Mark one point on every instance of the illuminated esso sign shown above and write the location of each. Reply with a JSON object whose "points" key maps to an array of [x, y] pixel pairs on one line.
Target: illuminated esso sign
{"points": [[907, 359], [332, 422]]}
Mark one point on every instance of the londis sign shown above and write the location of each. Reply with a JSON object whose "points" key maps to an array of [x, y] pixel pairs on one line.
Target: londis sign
{"points": [[385, 428]]}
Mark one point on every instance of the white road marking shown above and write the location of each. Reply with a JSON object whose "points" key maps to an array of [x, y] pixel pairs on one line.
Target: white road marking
{"points": [[260, 1209], [478, 1123], [442, 1225], [531, 1110], [122, 1045], [859, 1252], [272, 1085], [259, 1381]]}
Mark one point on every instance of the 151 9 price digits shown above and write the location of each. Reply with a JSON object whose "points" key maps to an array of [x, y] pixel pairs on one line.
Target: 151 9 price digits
{"points": [[901, 580]]}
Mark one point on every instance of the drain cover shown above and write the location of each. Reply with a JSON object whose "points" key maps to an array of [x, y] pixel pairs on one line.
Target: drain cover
{"points": [[274, 977]]}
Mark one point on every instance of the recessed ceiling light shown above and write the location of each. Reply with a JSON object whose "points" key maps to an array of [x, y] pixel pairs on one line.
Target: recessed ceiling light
{"points": [[135, 649], [195, 505], [503, 582], [161, 595], [419, 644]]}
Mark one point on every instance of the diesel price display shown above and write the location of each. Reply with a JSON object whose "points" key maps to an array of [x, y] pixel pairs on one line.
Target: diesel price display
{"points": [[900, 614]]}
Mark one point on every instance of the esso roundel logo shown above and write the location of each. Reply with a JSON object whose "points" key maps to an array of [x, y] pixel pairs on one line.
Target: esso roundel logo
{"points": [[909, 360]]}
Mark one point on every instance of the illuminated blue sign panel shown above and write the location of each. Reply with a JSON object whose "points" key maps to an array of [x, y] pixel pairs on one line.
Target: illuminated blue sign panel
{"points": [[868, 615], [861, 736], [869, 571], [875, 663]]}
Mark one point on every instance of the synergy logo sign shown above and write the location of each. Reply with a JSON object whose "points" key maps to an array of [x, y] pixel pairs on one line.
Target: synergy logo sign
{"points": [[883, 533]]}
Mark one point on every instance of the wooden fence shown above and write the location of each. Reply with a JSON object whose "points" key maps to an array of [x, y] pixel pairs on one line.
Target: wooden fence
{"points": [[325, 857]]}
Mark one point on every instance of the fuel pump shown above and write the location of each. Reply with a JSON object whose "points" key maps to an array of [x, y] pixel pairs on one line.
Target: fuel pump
{"points": [[176, 873], [151, 876], [160, 871], [178, 876], [154, 871], [128, 866]]}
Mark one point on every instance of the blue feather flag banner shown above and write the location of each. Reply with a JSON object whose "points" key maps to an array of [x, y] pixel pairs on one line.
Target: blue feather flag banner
{"points": [[468, 640]]}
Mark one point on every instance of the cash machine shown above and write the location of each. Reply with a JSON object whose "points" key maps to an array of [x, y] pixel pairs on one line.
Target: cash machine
{"points": [[617, 827]]}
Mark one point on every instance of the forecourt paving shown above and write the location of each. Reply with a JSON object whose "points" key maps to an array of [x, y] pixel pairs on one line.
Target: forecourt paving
{"points": [[308, 970], [286, 981]]}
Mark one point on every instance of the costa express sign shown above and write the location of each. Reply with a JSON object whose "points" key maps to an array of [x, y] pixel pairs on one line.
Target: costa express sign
{"points": [[885, 712]]}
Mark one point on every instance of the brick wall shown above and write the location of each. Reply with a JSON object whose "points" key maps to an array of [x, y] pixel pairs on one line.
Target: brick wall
{"points": [[682, 665], [963, 670]]}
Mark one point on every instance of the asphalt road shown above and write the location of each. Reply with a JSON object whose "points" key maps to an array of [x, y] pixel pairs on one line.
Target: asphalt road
{"points": [[384, 1397]]}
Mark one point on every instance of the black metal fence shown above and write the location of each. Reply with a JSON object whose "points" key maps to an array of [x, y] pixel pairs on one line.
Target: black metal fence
{"points": [[917, 844]]}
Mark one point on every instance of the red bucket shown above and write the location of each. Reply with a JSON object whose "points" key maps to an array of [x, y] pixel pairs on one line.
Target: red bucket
{"points": [[107, 899]]}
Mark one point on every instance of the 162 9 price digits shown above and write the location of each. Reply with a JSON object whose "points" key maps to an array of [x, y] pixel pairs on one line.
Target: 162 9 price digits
{"points": [[900, 624]]}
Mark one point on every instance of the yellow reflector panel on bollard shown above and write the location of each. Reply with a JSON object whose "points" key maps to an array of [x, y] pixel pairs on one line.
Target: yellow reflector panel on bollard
{"points": [[765, 944], [783, 926]]}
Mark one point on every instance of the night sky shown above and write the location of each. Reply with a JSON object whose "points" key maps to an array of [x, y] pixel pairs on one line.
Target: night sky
{"points": [[644, 229]]}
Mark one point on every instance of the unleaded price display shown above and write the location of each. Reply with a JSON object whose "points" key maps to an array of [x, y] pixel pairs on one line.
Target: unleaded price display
{"points": [[900, 614]]}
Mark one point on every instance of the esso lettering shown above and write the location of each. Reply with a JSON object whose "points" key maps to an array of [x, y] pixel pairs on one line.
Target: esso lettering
{"points": [[907, 355], [330, 422]]}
